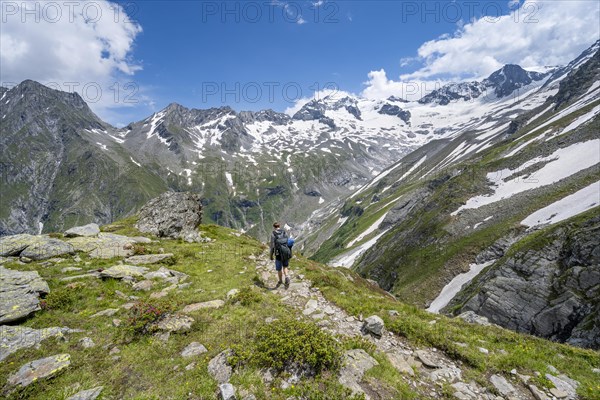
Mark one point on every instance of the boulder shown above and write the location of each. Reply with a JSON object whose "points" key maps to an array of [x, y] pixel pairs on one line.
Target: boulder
{"points": [[428, 359], [45, 247], [15, 244], [193, 349], [400, 363], [36, 370], [148, 258], [19, 294], [121, 271], [218, 367], [173, 215], [90, 394], [144, 285], [15, 338], [373, 325], [85, 230], [473, 318]]}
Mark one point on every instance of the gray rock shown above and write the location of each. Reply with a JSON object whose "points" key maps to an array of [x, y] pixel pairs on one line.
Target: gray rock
{"points": [[199, 306], [19, 294], [400, 363], [226, 391], [559, 394], [46, 247], [175, 323], [144, 285], [106, 245], [232, 293], [15, 338], [473, 318], [109, 312], [356, 363], [373, 325], [70, 269], [564, 384], [218, 367], [36, 370], [428, 359], [85, 230], [502, 385], [172, 214], [122, 271], [90, 394], [537, 394], [86, 343], [193, 349], [15, 244], [449, 374], [148, 258]]}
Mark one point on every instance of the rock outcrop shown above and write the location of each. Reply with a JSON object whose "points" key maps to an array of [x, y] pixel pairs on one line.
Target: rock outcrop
{"points": [[20, 294], [550, 288], [172, 215], [36, 370]]}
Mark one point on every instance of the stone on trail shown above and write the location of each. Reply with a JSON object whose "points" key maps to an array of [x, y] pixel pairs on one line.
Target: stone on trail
{"points": [[218, 367], [373, 325], [37, 370], [90, 394], [85, 231], [400, 363], [502, 385], [427, 359], [20, 294]]}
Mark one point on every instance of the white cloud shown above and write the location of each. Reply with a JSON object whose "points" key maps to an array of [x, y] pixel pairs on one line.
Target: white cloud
{"points": [[538, 33], [68, 45], [380, 87], [301, 21], [318, 3]]}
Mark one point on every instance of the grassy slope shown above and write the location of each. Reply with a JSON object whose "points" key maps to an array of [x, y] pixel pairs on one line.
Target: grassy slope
{"points": [[149, 369]]}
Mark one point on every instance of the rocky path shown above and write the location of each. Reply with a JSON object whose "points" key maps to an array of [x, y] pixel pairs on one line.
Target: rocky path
{"points": [[427, 371]]}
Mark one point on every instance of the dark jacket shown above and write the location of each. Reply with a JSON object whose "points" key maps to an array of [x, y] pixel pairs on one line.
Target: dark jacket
{"points": [[272, 241]]}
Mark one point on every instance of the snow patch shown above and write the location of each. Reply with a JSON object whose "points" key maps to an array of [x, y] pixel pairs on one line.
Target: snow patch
{"points": [[135, 162], [567, 207], [451, 289]]}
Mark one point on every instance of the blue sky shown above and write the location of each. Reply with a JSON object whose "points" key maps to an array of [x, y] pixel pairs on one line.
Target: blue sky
{"points": [[129, 59]]}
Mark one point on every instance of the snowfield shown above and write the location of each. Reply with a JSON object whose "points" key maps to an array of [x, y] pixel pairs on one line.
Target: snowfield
{"points": [[567, 207], [559, 165]]}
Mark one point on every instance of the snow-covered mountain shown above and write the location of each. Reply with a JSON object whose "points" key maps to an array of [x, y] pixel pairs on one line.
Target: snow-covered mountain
{"points": [[251, 167], [502, 219]]}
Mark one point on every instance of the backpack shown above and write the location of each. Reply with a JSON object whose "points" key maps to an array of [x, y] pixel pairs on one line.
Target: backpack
{"points": [[281, 245]]}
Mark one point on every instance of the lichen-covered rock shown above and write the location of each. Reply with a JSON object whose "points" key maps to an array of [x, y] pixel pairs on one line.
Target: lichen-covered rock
{"points": [[218, 367], [15, 244], [19, 294], [90, 394], [148, 258], [37, 370], [356, 363], [15, 338], [85, 230], [173, 214], [44, 247], [123, 270], [174, 323]]}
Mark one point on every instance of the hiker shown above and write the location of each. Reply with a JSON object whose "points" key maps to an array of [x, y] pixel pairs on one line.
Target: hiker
{"points": [[280, 247]]}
